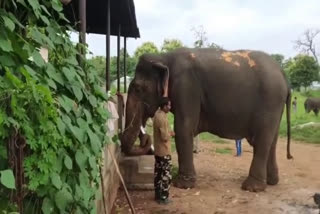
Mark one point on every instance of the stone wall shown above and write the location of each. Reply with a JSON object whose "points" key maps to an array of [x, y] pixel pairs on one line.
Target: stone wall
{"points": [[111, 180]]}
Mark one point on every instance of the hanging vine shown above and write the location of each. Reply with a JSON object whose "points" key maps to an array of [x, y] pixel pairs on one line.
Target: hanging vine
{"points": [[56, 106]]}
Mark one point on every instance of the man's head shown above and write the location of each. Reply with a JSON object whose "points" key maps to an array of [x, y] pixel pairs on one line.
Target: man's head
{"points": [[165, 104]]}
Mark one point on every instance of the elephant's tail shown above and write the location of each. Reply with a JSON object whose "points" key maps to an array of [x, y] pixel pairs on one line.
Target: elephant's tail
{"points": [[288, 107]]}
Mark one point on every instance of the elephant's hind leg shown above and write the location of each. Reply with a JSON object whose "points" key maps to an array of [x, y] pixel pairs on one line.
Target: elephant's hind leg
{"points": [[262, 143], [272, 167]]}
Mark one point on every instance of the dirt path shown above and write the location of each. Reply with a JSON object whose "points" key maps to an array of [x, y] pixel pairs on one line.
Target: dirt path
{"points": [[219, 181]]}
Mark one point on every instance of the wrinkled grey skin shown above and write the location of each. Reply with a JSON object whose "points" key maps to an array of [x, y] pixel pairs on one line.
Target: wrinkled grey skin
{"points": [[312, 104], [234, 95]]}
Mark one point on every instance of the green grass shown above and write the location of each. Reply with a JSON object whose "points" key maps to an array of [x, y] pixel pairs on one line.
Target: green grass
{"points": [[307, 134], [206, 136], [224, 150], [174, 171]]}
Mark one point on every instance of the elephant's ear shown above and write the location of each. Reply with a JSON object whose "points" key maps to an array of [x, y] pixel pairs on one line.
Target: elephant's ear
{"points": [[163, 84]]}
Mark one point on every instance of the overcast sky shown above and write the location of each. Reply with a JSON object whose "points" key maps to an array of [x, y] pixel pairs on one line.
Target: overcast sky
{"points": [[270, 26]]}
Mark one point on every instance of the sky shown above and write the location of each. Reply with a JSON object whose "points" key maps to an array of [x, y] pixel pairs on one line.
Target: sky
{"points": [[269, 26]]}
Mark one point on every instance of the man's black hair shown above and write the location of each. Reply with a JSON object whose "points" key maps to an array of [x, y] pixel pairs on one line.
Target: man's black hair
{"points": [[164, 101]]}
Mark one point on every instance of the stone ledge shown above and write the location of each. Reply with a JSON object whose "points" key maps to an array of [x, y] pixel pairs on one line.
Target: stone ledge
{"points": [[138, 171]]}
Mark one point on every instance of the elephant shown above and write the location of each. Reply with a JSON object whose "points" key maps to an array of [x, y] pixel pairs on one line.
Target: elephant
{"points": [[312, 104], [232, 94]]}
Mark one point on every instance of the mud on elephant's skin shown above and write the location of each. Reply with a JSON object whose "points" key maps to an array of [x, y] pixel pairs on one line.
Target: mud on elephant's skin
{"points": [[232, 94], [312, 104]]}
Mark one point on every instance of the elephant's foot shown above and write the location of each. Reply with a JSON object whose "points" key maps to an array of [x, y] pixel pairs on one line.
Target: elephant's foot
{"points": [[253, 185], [184, 182], [273, 179]]}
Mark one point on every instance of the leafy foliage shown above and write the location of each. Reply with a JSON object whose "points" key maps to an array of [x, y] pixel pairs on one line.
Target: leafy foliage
{"points": [[99, 62], [170, 45], [279, 58], [147, 47], [56, 105], [302, 71]]}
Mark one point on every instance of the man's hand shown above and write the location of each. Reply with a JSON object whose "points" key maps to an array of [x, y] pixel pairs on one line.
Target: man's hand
{"points": [[172, 134]]}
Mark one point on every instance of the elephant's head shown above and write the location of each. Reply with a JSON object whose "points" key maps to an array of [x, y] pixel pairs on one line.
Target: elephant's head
{"points": [[145, 90]]}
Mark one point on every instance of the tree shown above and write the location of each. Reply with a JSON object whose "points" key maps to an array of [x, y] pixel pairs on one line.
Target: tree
{"points": [[170, 45], [146, 47], [99, 62], [200, 35], [302, 70], [279, 58], [202, 39], [307, 44]]}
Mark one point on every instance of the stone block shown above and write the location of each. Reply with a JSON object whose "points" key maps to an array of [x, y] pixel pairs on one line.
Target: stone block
{"points": [[138, 171]]}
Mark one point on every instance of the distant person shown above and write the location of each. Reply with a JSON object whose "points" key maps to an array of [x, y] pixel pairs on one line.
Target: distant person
{"points": [[238, 147], [294, 104]]}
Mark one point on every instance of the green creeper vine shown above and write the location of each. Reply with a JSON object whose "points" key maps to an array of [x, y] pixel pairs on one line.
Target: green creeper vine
{"points": [[56, 105]]}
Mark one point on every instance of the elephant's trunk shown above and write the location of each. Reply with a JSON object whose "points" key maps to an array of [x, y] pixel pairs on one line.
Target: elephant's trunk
{"points": [[134, 120]]}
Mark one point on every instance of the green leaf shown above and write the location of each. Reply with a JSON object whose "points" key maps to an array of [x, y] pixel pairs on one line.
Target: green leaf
{"points": [[34, 4], [57, 165], [22, 2], [62, 199], [95, 142], [77, 133], [52, 84], [88, 116], [82, 124], [68, 162], [3, 152], [45, 19], [86, 193], [7, 179], [103, 112], [68, 73], [56, 5], [77, 91], [56, 181], [6, 60], [54, 75], [93, 100], [100, 92], [61, 126], [13, 79], [84, 178], [92, 162], [37, 58], [8, 23], [45, 10], [81, 159], [5, 45], [72, 60], [30, 71], [66, 103], [47, 206]]}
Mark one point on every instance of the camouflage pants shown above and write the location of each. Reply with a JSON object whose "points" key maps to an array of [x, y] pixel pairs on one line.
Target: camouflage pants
{"points": [[162, 176]]}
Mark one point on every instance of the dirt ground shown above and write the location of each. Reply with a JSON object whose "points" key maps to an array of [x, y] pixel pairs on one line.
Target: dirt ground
{"points": [[219, 180]]}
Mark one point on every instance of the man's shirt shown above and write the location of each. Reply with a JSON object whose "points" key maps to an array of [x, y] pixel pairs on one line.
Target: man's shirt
{"points": [[161, 134]]}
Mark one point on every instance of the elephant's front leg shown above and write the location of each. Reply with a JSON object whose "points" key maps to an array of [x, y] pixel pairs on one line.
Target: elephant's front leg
{"points": [[184, 144]]}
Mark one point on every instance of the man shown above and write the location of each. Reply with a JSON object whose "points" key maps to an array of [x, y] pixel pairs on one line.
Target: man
{"points": [[162, 152], [238, 146], [294, 105]]}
